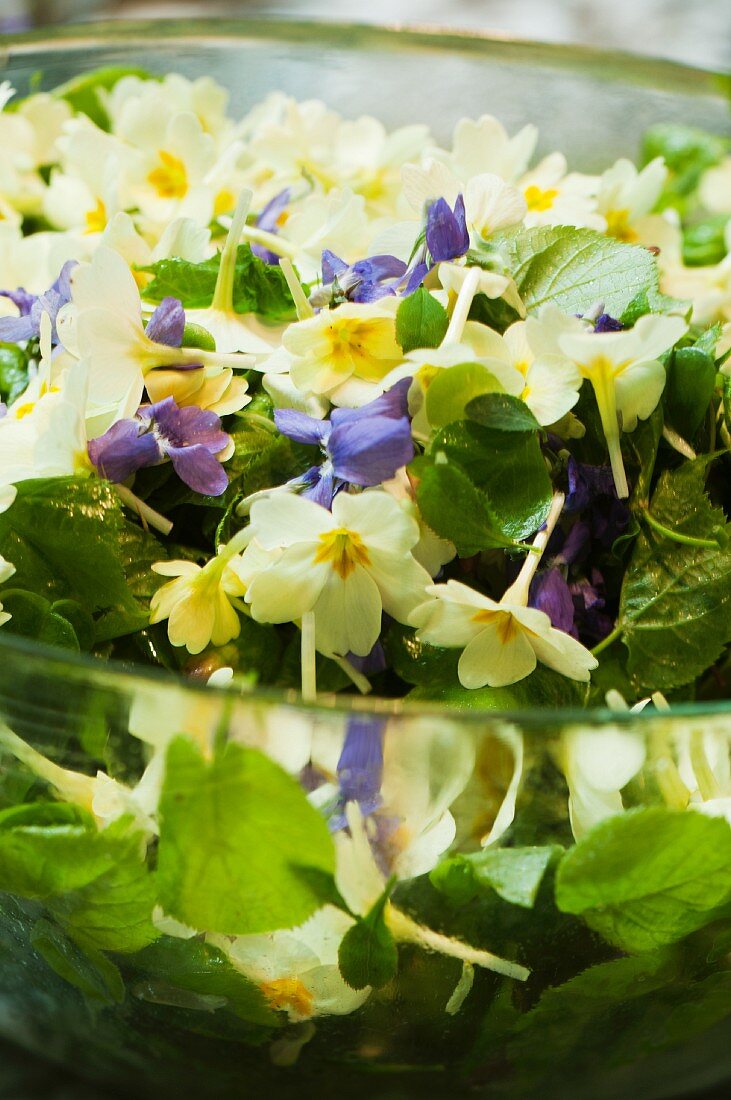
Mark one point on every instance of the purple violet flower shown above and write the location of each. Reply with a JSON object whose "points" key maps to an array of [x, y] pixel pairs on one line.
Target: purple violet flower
{"points": [[167, 324], [360, 768], [447, 237], [190, 437], [364, 446], [551, 594], [32, 306], [366, 280], [606, 323], [268, 220]]}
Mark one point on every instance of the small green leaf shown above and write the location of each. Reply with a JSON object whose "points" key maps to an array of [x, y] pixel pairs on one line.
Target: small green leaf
{"points": [[203, 969], [507, 467], [456, 509], [238, 840], [13, 372], [195, 336], [647, 877], [258, 287], [515, 874], [676, 599], [502, 413], [368, 953], [450, 391], [33, 617], [544, 688], [687, 152], [691, 382], [421, 322], [704, 242], [574, 268], [85, 968], [418, 662]]}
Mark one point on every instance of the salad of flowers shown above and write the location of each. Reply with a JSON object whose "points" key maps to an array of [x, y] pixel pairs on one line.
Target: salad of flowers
{"points": [[297, 403]]}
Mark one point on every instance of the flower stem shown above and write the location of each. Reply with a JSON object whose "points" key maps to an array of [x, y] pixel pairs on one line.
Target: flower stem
{"points": [[676, 536], [462, 307], [276, 244], [518, 590], [408, 931], [308, 657], [678, 443], [73, 786], [606, 642], [303, 307], [147, 514], [223, 295], [362, 682]]}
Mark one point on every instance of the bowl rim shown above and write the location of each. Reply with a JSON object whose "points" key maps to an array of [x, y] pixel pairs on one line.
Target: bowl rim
{"points": [[606, 64]]}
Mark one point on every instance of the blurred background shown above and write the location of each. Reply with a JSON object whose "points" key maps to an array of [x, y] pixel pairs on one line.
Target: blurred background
{"points": [[695, 31]]}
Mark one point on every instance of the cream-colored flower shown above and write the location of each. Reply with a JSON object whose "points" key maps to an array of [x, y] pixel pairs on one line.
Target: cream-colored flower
{"points": [[6, 571], [502, 642], [715, 188], [483, 145], [626, 197], [554, 197], [346, 566], [626, 375], [199, 602], [297, 970]]}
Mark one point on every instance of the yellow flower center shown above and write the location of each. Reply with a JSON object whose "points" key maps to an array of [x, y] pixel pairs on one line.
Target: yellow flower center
{"points": [[224, 202], [366, 348], [20, 411], [343, 550], [96, 219], [426, 375], [288, 993], [170, 178], [506, 626], [618, 226], [540, 199]]}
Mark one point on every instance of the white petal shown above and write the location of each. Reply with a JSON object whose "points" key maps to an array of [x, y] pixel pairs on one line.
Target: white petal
{"points": [[489, 660], [348, 614]]}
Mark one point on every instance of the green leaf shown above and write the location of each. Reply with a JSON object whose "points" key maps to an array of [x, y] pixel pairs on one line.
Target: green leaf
{"points": [[69, 540], [95, 883], [691, 382], [418, 662], [704, 242], [13, 372], [33, 617], [240, 846], [574, 268], [421, 322], [647, 877], [49, 848], [82, 93], [368, 953], [85, 968], [676, 600], [203, 969], [515, 874], [455, 508], [688, 152], [507, 467], [502, 413], [450, 391], [544, 688], [258, 287]]}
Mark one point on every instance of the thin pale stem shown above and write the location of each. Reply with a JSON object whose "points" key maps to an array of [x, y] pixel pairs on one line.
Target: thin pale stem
{"points": [[276, 244], [148, 515], [362, 682], [518, 591], [462, 307], [408, 931], [309, 655], [72, 785], [678, 443], [223, 295], [606, 399], [303, 307], [610, 638]]}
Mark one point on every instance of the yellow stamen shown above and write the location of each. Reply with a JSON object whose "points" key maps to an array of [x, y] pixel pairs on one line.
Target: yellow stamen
{"points": [[343, 550], [540, 199], [170, 178], [288, 993], [618, 226], [223, 203], [96, 219]]}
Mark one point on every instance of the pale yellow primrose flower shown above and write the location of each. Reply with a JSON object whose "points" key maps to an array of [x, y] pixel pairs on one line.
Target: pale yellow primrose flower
{"points": [[503, 641], [626, 197], [6, 571], [198, 604], [346, 566], [297, 969], [626, 375], [554, 197], [345, 353], [715, 188], [483, 145]]}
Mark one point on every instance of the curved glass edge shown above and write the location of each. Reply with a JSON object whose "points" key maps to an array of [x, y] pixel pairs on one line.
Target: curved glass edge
{"points": [[608, 65], [124, 679], [604, 64]]}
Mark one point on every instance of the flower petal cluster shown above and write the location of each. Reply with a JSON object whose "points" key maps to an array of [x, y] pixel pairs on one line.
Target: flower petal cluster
{"points": [[347, 566]]}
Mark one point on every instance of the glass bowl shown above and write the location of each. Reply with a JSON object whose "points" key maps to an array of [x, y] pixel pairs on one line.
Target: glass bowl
{"points": [[162, 964]]}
